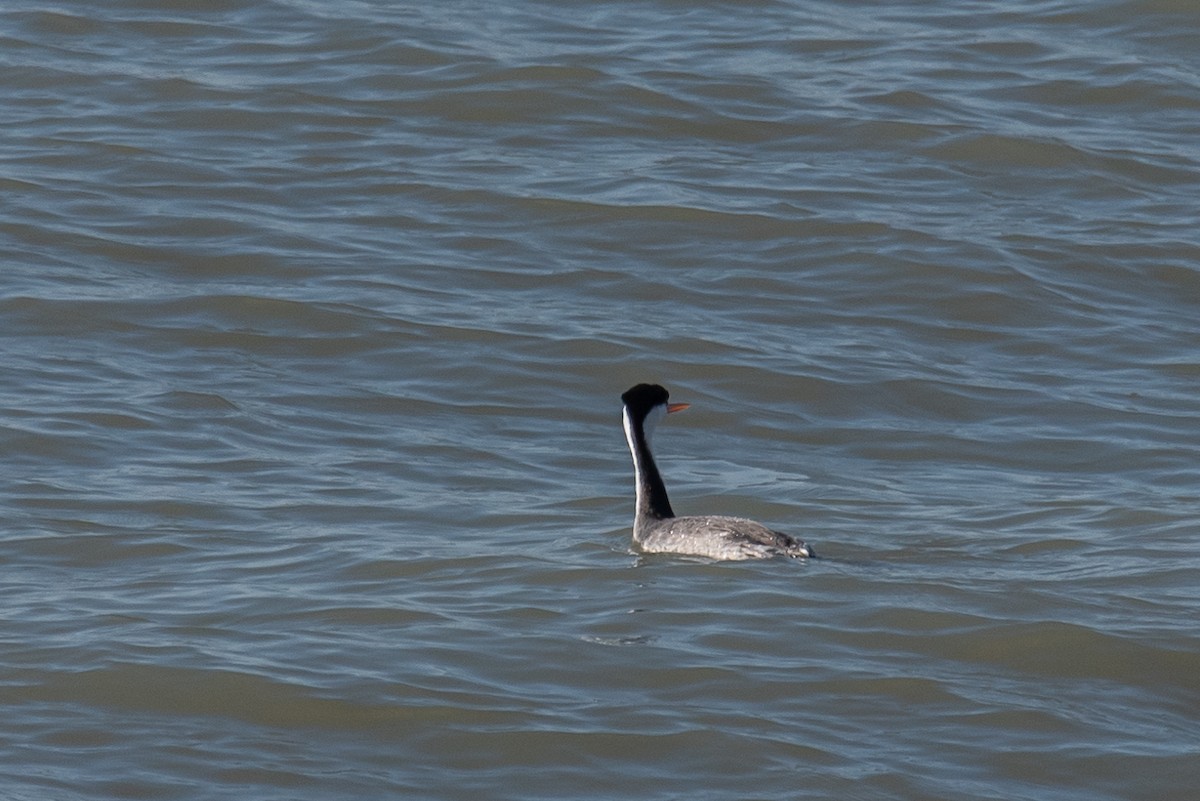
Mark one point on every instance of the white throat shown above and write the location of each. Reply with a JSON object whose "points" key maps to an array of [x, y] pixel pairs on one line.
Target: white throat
{"points": [[651, 422], [627, 424]]}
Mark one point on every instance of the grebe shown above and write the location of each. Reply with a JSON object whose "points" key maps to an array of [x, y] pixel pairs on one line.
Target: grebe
{"points": [[656, 529]]}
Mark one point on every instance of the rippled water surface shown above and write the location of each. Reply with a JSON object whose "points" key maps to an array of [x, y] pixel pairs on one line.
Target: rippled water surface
{"points": [[314, 320]]}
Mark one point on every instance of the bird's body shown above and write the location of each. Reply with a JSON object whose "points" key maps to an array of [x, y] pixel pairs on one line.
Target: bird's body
{"points": [[656, 529], [717, 537]]}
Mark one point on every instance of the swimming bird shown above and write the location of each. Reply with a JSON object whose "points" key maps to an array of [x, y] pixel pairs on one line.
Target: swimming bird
{"points": [[656, 529]]}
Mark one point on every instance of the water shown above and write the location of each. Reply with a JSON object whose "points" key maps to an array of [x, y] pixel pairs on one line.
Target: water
{"points": [[314, 323]]}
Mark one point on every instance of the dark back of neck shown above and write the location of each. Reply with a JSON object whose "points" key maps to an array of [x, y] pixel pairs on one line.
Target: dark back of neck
{"points": [[651, 492]]}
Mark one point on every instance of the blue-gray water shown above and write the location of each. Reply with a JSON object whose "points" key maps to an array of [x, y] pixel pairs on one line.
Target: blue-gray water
{"points": [[314, 319]]}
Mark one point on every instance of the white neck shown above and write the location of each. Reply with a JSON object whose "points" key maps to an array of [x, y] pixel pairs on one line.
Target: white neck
{"points": [[652, 502]]}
